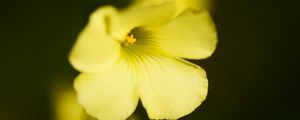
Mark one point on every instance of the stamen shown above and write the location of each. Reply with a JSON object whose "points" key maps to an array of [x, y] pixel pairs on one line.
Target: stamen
{"points": [[130, 39]]}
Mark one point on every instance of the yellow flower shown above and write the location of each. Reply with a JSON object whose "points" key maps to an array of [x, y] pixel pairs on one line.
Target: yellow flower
{"points": [[137, 53]]}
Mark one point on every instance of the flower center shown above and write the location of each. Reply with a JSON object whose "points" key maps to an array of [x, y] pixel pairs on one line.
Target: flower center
{"points": [[130, 39]]}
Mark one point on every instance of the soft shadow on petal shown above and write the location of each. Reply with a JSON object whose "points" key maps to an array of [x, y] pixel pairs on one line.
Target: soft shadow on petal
{"points": [[171, 88], [191, 36], [94, 50], [110, 95], [138, 15]]}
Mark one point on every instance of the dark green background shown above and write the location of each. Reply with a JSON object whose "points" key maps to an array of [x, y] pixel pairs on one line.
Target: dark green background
{"points": [[253, 75]]}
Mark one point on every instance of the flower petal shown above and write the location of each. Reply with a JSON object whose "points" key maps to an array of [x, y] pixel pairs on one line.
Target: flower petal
{"points": [[110, 95], [66, 105], [181, 5], [171, 88], [184, 5], [191, 36], [138, 15], [94, 50]]}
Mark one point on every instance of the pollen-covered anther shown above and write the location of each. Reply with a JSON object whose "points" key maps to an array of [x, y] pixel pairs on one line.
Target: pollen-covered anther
{"points": [[130, 39]]}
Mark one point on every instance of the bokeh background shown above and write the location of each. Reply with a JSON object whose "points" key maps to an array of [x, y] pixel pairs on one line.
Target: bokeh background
{"points": [[253, 75]]}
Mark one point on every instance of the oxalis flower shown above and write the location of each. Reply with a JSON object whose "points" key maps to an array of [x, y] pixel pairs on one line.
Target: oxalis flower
{"points": [[138, 53]]}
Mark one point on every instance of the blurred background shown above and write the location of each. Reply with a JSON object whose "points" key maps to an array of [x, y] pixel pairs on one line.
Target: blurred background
{"points": [[253, 75]]}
